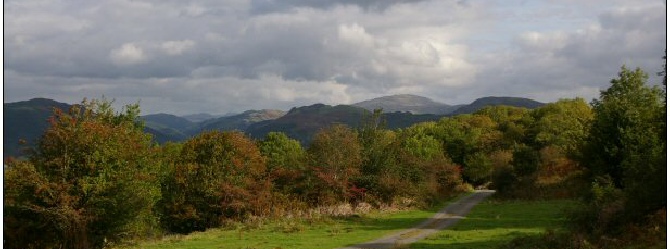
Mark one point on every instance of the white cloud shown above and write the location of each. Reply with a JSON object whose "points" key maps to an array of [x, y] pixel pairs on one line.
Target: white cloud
{"points": [[127, 54], [295, 52], [355, 34], [177, 47]]}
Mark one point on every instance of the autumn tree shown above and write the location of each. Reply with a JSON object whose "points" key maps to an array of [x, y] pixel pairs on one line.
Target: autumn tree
{"points": [[89, 180], [335, 157], [218, 176]]}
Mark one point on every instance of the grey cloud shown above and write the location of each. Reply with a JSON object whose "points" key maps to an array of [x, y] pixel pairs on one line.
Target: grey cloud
{"points": [[270, 6], [214, 56]]}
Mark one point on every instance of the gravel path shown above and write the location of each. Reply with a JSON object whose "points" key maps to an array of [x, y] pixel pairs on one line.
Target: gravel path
{"points": [[446, 217]]}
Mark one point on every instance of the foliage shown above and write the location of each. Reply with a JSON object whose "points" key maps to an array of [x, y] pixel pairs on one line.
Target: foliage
{"points": [[88, 181], [627, 141], [563, 124], [478, 168], [285, 162], [335, 156], [219, 176]]}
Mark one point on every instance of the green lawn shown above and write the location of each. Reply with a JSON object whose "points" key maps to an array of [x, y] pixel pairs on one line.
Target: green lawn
{"points": [[292, 233], [492, 223]]}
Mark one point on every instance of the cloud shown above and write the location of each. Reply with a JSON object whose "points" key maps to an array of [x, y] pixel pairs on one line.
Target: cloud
{"points": [[177, 47], [127, 54], [222, 56], [268, 6]]}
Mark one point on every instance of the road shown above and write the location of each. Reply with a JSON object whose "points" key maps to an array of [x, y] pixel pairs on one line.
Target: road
{"points": [[445, 218]]}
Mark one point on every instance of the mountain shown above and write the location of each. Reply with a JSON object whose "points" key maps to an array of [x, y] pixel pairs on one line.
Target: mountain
{"points": [[168, 121], [493, 101], [26, 120], [197, 118], [239, 121], [407, 103], [167, 127], [301, 123]]}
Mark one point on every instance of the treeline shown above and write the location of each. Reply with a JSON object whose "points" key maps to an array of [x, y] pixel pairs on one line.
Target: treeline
{"points": [[95, 178]]}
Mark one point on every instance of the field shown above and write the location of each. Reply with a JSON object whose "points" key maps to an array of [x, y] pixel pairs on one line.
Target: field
{"points": [[492, 223], [296, 234]]}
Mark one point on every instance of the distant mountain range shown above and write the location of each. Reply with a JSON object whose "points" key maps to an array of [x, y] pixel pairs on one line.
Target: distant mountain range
{"points": [[27, 120]]}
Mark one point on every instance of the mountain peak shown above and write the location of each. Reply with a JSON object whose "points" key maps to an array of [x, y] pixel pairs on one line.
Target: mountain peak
{"points": [[406, 103]]}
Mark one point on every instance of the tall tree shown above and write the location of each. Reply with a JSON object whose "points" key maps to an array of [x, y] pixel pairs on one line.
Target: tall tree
{"points": [[335, 155], [627, 140]]}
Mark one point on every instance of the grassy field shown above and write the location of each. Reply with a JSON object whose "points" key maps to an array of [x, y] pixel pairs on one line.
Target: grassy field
{"points": [[292, 233], [490, 224], [493, 223]]}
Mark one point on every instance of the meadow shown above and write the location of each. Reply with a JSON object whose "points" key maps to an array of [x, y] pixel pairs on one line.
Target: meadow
{"points": [[490, 224]]}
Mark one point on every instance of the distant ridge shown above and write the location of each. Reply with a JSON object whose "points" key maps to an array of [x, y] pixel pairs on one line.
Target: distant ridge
{"points": [[196, 118], [302, 122], [493, 101], [26, 120], [240, 121], [407, 103]]}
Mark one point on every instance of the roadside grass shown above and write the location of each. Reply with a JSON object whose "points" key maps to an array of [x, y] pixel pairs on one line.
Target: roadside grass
{"points": [[324, 232], [493, 223]]}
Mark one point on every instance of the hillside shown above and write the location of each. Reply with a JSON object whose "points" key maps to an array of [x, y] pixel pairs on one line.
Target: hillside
{"points": [[26, 120], [200, 117], [407, 103], [240, 121], [493, 101], [301, 123], [166, 127]]}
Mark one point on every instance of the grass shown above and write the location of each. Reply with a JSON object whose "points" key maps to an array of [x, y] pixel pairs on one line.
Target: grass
{"points": [[493, 223], [297, 233]]}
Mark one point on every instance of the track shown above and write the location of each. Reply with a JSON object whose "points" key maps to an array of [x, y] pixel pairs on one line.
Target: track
{"points": [[446, 217]]}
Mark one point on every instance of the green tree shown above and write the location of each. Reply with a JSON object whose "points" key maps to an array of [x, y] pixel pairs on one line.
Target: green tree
{"points": [[286, 161], [478, 168], [89, 180], [564, 124], [627, 142], [380, 172]]}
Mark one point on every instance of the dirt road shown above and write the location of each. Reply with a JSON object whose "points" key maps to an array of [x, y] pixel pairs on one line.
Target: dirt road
{"points": [[446, 217]]}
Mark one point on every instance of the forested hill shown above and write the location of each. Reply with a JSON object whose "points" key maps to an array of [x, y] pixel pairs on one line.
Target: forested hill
{"points": [[494, 101]]}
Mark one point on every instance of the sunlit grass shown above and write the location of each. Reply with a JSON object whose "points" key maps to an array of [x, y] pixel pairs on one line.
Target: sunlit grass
{"points": [[493, 223], [297, 233]]}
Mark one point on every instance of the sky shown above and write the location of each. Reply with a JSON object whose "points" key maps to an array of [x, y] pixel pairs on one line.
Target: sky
{"points": [[226, 56]]}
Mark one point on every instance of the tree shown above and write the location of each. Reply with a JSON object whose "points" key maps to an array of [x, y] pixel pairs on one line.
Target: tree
{"points": [[286, 161], [89, 180], [627, 143], [564, 124], [335, 155], [478, 168], [219, 176]]}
